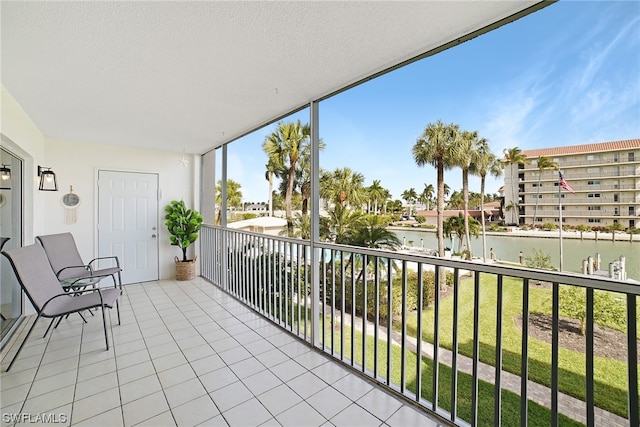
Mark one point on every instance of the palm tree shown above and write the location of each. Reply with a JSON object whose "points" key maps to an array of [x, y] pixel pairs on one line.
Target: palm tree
{"points": [[514, 156], [372, 233], [456, 225], [446, 189], [485, 162], [456, 201], [434, 147], [271, 170], [301, 226], [343, 186], [410, 197], [543, 163], [341, 224], [376, 194], [427, 195], [465, 153], [234, 196], [284, 147], [303, 174]]}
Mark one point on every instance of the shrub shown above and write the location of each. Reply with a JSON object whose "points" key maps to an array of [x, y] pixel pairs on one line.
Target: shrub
{"points": [[539, 260], [428, 292], [549, 226], [607, 311]]}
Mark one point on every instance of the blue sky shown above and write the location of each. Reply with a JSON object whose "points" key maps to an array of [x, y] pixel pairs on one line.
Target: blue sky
{"points": [[566, 75]]}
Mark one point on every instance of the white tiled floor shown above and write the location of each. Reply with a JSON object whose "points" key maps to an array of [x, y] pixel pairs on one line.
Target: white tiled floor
{"points": [[186, 354]]}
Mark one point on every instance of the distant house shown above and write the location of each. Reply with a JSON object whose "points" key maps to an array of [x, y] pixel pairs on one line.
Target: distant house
{"points": [[264, 224], [256, 207], [432, 216], [491, 214]]}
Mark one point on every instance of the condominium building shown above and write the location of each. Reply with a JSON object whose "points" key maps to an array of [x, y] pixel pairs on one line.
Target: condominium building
{"points": [[604, 177]]}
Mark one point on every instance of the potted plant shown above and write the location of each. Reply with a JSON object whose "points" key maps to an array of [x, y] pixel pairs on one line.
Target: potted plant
{"points": [[183, 225]]}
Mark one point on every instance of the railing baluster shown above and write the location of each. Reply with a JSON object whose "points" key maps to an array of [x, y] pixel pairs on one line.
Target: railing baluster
{"points": [[342, 303], [419, 336], [476, 347], [376, 314], [435, 389], [497, 394], [298, 295], [590, 401], [524, 359], [352, 269], [364, 313], [389, 317], [324, 297], [454, 346], [632, 362], [555, 350], [285, 274], [403, 315], [333, 301]]}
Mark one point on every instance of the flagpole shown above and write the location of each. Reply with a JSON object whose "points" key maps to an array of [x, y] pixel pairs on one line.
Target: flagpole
{"points": [[560, 210]]}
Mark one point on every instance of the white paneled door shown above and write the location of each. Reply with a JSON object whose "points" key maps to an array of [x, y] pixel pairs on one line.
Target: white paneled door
{"points": [[128, 222]]}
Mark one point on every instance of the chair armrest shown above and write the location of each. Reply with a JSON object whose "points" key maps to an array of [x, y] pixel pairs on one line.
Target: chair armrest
{"points": [[115, 258], [86, 267]]}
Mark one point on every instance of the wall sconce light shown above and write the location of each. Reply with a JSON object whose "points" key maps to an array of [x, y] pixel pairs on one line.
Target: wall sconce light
{"points": [[5, 177], [47, 179]]}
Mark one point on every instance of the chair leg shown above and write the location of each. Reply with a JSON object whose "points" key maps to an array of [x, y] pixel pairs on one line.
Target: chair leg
{"points": [[23, 343], [104, 323], [117, 303], [59, 320], [49, 328]]}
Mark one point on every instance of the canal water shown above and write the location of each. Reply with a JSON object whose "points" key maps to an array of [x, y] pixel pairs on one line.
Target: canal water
{"points": [[507, 247]]}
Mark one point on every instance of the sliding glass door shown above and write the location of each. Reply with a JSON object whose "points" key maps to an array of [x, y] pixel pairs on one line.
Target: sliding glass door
{"points": [[11, 305]]}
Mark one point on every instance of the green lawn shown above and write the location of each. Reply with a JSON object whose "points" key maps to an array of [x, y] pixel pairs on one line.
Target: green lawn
{"points": [[610, 375], [510, 410]]}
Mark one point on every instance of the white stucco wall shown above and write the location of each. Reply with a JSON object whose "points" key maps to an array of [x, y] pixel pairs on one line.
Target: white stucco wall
{"points": [[27, 143], [76, 163]]}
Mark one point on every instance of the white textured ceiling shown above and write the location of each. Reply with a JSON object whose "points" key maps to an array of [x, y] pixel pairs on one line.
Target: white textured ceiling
{"points": [[193, 75]]}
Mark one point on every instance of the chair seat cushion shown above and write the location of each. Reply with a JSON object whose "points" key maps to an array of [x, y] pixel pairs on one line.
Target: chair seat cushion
{"points": [[69, 304]]}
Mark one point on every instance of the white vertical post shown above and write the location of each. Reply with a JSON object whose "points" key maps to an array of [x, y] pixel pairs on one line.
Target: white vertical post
{"points": [[314, 211]]}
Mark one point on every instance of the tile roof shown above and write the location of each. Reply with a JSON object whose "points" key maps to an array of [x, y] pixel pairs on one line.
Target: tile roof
{"points": [[585, 148]]}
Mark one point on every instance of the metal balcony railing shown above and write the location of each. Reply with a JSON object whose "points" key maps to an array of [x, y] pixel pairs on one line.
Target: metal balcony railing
{"points": [[384, 314]]}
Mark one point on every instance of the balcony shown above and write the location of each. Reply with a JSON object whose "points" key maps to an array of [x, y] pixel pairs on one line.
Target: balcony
{"points": [[266, 338], [340, 308], [187, 354]]}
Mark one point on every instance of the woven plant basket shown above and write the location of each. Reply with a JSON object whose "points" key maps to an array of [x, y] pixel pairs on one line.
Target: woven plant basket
{"points": [[185, 270]]}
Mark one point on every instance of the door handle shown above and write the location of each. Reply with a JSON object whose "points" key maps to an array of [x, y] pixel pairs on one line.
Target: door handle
{"points": [[153, 236]]}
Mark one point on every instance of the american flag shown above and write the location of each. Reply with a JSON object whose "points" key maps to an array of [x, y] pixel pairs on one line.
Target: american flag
{"points": [[564, 184]]}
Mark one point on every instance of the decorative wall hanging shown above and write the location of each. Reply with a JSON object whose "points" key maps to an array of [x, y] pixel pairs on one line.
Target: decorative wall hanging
{"points": [[70, 201]]}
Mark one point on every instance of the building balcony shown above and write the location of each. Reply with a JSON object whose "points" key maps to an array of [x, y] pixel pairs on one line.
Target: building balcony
{"points": [[187, 354], [336, 298], [266, 338]]}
